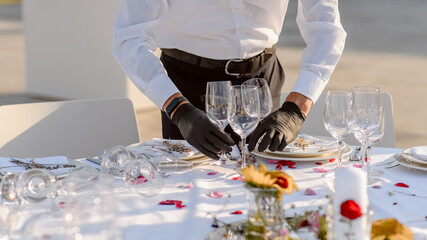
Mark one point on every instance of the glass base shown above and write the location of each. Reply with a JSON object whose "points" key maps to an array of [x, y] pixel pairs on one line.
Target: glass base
{"points": [[373, 180]]}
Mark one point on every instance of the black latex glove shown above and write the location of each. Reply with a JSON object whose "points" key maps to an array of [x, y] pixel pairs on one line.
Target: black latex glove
{"points": [[200, 132], [280, 128]]}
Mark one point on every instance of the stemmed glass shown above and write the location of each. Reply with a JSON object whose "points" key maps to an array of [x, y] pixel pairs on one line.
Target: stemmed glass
{"points": [[243, 113], [335, 118], [372, 140], [365, 117], [265, 99], [217, 103]]}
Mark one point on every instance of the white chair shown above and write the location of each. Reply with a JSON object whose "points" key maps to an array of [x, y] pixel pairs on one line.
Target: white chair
{"points": [[76, 129], [314, 121]]}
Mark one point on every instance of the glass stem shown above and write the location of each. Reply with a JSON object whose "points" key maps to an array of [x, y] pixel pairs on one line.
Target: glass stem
{"points": [[223, 157], [363, 155], [340, 142], [368, 157], [243, 152]]}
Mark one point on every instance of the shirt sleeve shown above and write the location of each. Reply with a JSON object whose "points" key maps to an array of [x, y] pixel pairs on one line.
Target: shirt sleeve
{"points": [[321, 29], [134, 47]]}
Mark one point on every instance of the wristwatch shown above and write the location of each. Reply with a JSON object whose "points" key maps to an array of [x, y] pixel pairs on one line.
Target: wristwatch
{"points": [[173, 105]]}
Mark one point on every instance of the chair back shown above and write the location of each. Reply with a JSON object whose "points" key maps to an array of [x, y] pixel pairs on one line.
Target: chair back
{"points": [[76, 129], [314, 121]]}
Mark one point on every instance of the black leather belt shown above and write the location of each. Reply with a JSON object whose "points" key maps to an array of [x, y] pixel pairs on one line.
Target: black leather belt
{"points": [[232, 67]]}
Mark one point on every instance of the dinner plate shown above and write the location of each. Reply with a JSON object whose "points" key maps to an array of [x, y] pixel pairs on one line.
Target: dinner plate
{"points": [[322, 147], [408, 156], [157, 146], [401, 159], [345, 152]]}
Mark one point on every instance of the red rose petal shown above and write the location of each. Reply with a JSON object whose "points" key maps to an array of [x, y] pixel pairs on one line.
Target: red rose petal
{"points": [[235, 178], [292, 166], [170, 202], [358, 165], [401, 185], [332, 160], [351, 210], [236, 212], [320, 170], [289, 163], [304, 223], [279, 166], [318, 163], [139, 180], [212, 173], [376, 187], [395, 203]]}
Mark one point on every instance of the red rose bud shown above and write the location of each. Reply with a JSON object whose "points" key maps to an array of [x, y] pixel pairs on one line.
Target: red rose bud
{"points": [[351, 210], [282, 182]]}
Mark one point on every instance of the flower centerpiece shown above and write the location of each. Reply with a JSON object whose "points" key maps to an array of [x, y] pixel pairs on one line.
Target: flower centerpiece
{"points": [[265, 211]]}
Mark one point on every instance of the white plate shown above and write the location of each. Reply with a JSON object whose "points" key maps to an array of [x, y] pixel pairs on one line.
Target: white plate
{"points": [[408, 163], [346, 151], [156, 147], [311, 151], [408, 156]]}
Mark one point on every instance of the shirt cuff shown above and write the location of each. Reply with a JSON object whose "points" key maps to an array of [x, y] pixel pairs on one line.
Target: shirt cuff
{"points": [[310, 85], [160, 89]]}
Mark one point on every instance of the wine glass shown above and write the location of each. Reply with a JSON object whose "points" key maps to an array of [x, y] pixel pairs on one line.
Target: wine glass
{"points": [[265, 99], [217, 102], [335, 118], [365, 117], [243, 113], [372, 140]]}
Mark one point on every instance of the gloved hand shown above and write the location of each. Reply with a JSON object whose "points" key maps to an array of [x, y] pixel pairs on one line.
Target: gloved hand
{"points": [[280, 128], [200, 132]]}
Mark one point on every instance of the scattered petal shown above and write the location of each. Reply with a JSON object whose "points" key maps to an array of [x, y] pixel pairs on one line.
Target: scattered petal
{"points": [[139, 180], [170, 202], [309, 191], [395, 203], [304, 223], [215, 194], [376, 186], [401, 185], [213, 173], [318, 163], [236, 212], [358, 165], [272, 161], [283, 232], [187, 186], [332, 160], [320, 170], [238, 178], [289, 163], [177, 203], [279, 166], [292, 166]]}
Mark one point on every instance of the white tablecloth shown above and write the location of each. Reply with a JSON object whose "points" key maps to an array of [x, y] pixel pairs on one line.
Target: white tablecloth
{"points": [[144, 218]]}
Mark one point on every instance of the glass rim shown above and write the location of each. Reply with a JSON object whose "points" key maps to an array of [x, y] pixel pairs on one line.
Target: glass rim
{"points": [[364, 88]]}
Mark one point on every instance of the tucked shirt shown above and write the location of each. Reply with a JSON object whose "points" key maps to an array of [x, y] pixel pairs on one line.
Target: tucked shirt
{"points": [[223, 29]]}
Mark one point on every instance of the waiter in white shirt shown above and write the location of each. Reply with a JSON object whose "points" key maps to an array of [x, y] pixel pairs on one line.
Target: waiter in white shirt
{"points": [[224, 40]]}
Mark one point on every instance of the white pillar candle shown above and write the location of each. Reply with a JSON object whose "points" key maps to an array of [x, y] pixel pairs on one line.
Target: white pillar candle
{"points": [[350, 185]]}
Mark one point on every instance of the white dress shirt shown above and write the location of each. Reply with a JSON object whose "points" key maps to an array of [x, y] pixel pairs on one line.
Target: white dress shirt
{"points": [[223, 29]]}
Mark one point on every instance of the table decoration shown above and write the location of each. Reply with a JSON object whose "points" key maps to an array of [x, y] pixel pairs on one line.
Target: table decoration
{"points": [[348, 212], [264, 195], [391, 229], [58, 165]]}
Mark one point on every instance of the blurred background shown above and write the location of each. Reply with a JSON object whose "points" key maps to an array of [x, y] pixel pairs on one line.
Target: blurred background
{"points": [[47, 47]]}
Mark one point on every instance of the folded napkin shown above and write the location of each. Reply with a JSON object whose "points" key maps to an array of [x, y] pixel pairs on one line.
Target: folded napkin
{"points": [[419, 152], [310, 144], [58, 164]]}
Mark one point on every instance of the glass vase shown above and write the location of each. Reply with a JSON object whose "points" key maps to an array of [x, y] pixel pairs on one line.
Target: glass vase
{"points": [[265, 213]]}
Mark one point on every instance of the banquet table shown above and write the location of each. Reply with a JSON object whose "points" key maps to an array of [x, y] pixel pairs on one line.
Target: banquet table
{"points": [[143, 218]]}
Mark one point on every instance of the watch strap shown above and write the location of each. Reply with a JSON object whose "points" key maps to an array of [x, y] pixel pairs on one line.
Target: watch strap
{"points": [[173, 105]]}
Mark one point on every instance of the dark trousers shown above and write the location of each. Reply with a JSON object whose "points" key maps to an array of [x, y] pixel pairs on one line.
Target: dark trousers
{"points": [[191, 82]]}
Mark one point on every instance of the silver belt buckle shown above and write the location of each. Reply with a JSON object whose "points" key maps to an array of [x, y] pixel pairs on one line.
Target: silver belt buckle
{"points": [[228, 63]]}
